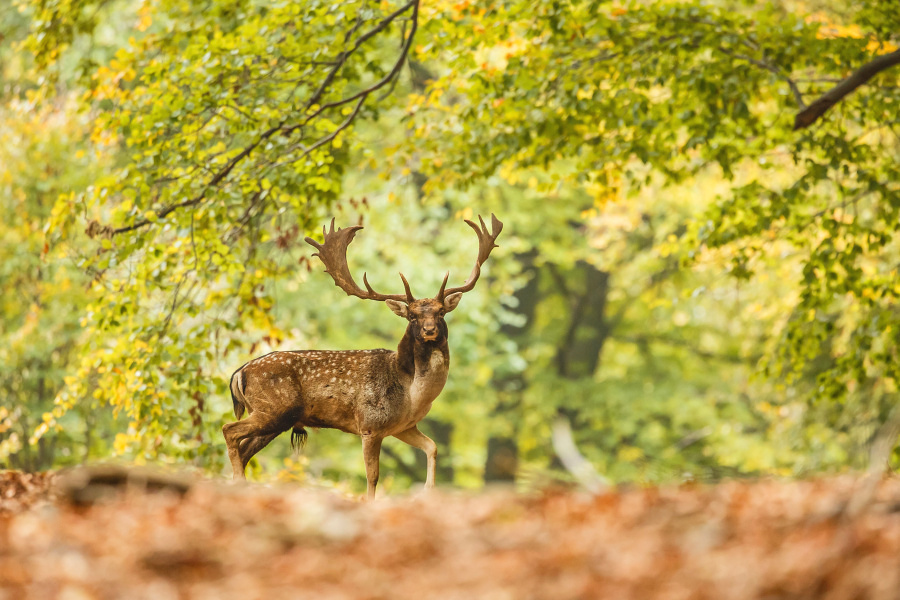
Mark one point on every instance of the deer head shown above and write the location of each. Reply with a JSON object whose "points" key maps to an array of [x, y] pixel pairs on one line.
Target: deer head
{"points": [[425, 316]]}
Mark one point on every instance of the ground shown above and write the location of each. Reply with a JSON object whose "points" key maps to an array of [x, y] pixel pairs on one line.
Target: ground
{"points": [[172, 538]]}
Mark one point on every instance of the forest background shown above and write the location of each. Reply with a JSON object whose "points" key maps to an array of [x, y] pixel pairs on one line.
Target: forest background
{"points": [[697, 274]]}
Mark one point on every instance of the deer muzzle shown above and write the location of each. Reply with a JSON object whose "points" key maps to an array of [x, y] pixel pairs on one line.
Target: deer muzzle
{"points": [[429, 331]]}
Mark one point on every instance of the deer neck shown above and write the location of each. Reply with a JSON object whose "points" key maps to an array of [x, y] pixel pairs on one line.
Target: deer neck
{"points": [[424, 359]]}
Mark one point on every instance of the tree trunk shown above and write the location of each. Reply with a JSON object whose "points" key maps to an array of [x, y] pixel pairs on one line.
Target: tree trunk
{"points": [[442, 434], [502, 460], [579, 352]]}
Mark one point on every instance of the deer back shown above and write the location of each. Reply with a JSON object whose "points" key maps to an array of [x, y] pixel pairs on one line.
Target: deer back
{"points": [[357, 391]]}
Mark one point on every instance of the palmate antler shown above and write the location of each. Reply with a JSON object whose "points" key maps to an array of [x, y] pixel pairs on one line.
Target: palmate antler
{"points": [[333, 254], [485, 245]]}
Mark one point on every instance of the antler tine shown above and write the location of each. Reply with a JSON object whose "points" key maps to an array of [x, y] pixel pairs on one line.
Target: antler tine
{"points": [[486, 243], [440, 294], [408, 299], [409, 296], [333, 254]]}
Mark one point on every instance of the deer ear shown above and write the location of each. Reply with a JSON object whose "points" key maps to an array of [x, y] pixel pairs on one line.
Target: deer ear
{"points": [[452, 301], [400, 309]]}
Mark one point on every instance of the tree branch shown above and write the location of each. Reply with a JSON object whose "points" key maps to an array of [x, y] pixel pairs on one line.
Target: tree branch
{"points": [[360, 96], [401, 464], [678, 343], [820, 106], [364, 94], [342, 58], [222, 174]]}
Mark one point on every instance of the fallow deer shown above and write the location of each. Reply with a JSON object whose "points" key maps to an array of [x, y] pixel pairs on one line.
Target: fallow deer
{"points": [[371, 393]]}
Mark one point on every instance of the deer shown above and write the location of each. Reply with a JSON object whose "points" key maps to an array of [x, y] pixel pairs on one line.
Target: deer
{"points": [[370, 393]]}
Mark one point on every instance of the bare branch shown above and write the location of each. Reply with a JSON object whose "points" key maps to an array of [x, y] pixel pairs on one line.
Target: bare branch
{"points": [[334, 133], [820, 106]]}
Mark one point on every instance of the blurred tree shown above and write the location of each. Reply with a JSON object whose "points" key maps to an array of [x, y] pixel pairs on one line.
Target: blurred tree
{"points": [[44, 154]]}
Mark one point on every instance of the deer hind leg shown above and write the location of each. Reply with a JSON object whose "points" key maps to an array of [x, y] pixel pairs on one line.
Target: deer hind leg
{"points": [[417, 439], [243, 436], [250, 446], [371, 455]]}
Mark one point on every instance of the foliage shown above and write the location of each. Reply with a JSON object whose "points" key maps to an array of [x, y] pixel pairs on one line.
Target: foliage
{"points": [[42, 155]]}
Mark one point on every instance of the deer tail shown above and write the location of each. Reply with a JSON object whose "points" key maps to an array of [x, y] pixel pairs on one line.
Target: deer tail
{"points": [[298, 437], [237, 392]]}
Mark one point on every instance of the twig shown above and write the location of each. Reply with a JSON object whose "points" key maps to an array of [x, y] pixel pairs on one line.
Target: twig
{"points": [[164, 212], [334, 133], [193, 243], [772, 69], [343, 56]]}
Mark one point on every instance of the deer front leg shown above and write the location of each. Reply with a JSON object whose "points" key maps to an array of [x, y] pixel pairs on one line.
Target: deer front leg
{"points": [[371, 455], [417, 439]]}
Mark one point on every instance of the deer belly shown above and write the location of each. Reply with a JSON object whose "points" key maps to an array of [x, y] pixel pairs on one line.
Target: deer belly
{"points": [[330, 409]]}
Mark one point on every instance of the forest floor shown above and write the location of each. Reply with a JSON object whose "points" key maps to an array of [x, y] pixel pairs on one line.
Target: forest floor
{"points": [[135, 537]]}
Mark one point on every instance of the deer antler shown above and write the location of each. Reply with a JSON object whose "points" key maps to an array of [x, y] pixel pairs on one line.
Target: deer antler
{"points": [[485, 245], [333, 254]]}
